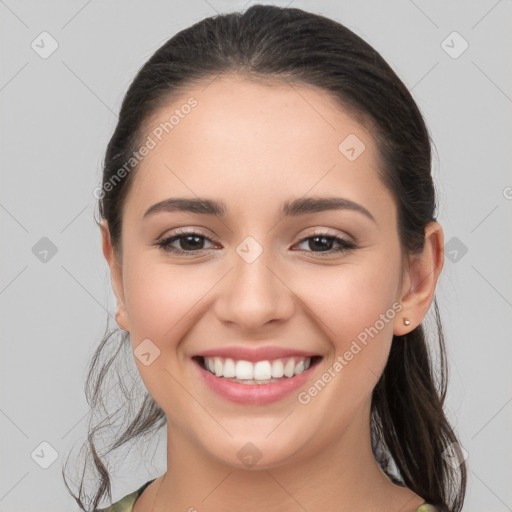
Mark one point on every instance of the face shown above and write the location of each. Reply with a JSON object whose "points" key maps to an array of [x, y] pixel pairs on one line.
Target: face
{"points": [[257, 283]]}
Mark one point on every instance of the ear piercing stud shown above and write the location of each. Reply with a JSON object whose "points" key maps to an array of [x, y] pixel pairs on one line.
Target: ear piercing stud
{"points": [[406, 321]]}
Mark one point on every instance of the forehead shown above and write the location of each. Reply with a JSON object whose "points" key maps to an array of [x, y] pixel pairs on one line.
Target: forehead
{"points": [[253, 143]]}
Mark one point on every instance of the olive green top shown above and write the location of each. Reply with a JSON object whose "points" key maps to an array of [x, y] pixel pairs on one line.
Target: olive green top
{"points": [[126, 504]]}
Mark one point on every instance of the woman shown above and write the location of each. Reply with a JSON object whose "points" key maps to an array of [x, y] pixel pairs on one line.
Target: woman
{"points": [[268, 217]]}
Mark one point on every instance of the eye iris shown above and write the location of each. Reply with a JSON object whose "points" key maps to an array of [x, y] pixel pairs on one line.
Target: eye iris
{"points": [[184, 242], [324, 240]]}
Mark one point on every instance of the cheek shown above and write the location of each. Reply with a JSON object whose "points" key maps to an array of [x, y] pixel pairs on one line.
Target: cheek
{"points": [[160, 297], [350, 297], [353, 305], [163, 303]]}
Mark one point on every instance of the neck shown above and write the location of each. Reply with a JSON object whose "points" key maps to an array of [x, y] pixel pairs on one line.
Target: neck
{"points": [[341, 476]]}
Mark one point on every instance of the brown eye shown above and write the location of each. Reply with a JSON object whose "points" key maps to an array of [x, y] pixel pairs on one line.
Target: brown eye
{"points": [[190, 242], [324, 243]]}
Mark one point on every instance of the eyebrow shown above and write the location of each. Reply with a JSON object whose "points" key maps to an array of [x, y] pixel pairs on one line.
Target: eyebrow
{"points": [[301, 206]]}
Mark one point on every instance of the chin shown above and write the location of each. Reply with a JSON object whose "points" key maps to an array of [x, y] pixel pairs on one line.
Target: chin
{"points": [[256, 452]]}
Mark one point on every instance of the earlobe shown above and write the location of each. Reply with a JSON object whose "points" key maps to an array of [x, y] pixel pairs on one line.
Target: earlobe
{"points": [[116, 276], [420, 280], [121, 318]]}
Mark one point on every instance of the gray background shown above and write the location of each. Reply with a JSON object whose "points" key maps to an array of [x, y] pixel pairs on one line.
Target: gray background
{"points": [[57, 116]]}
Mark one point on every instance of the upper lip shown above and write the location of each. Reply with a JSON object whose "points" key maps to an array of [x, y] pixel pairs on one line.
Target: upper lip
{"points": [[255, 354]]}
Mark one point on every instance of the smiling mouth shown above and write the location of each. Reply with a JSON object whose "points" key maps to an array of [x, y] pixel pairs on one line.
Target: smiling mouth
{"points": [[260, 372]]}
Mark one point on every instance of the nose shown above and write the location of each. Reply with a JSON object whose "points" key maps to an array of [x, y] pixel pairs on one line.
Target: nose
{"points": [[254, 295]]}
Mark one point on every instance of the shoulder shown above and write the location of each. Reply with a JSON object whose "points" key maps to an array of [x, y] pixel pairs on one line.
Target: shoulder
{"points": [[126, 503], [427, 508]]}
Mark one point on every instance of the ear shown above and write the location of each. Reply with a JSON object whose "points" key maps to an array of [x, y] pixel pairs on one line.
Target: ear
{"points": [[116, 276], [420, 279]]}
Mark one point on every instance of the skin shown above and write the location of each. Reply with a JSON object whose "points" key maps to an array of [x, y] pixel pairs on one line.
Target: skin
{"points": [[255, 146]]}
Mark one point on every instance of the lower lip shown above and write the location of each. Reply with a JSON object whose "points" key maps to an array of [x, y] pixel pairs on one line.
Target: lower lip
{"points": [[254, 393]]}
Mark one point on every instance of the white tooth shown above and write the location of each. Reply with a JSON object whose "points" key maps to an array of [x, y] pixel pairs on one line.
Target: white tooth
{"points": [[262, 370], [289, 367], [299, 367], [229, 369], [277, 369], [244, 370], [217, 361]]}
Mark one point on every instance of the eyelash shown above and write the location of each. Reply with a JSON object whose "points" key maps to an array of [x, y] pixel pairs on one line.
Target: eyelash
{"points": [[345, 245]]}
